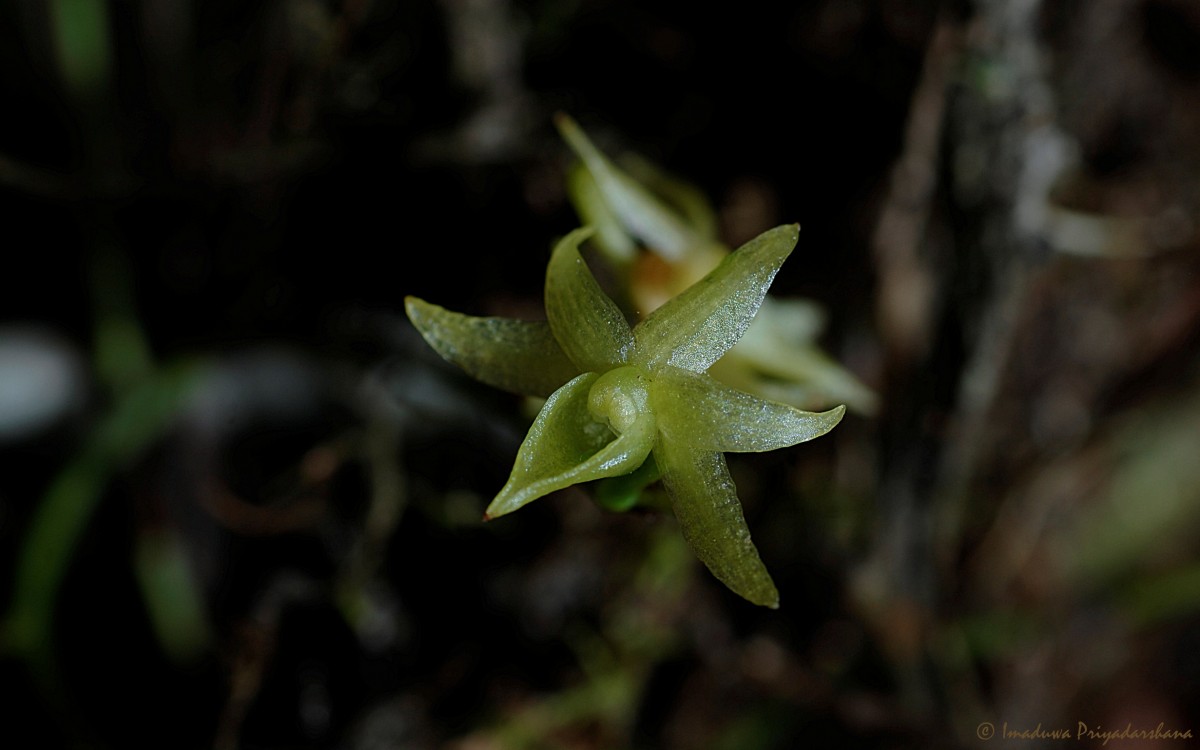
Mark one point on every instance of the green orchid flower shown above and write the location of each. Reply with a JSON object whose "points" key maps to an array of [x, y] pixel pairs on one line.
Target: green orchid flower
{"points": [[639, 205], [622, 400]]}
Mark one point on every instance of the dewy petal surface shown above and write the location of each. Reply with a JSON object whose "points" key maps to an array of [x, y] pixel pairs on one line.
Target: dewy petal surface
{"points": [[515, 355], [587, 324], [716, 417], [695, 328], [566, 446], [642, 213], [705, 501]]}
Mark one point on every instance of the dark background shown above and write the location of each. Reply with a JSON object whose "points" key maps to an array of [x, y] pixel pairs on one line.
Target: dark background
{"points": [[260, 491]]}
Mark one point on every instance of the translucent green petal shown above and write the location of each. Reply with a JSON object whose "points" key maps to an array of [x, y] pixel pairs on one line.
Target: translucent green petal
{"points": [[804, 392], [695, 328], [515, 355], [690, 201], [710, 517], [642, 214], [589, 203], [716, 417], [567, 446], [587, 324], [799, 374], [792, 321]]}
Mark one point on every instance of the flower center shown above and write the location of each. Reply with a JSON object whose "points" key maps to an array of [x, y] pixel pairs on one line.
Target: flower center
{"points": [[619, 397]]}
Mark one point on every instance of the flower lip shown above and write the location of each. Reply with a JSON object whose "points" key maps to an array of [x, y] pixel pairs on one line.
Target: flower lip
{"points": [[620, 397]]}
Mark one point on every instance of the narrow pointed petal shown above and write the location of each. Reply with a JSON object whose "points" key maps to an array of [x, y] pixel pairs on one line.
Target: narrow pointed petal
{"points": [[587, 324], [567, 446], [710, 516], [719, 418], [515, 355], [643, 215], [611, 237], [690, 202], [795, 373], [695, 328]]}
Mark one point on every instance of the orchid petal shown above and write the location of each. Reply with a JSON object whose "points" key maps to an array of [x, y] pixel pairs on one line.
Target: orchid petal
{"points": [[705, 502], [695, 328], [719, 418], [611, 236], [515, 355], [587, 324], [686, 199], [641, 212], [567, 446]]}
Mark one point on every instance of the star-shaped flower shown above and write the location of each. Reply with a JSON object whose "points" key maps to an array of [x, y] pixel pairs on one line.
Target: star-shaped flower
{"points": [[642, 207], [619, 396]]}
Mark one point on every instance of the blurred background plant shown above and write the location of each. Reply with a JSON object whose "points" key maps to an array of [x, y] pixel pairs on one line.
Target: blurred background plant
{"points": [[234, 477]]}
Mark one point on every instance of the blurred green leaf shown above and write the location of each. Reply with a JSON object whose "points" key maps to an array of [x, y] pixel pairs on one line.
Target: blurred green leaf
{"points": [[135, 421], [1150, 511], [1168, 595], [173, 600], [83, 44]]}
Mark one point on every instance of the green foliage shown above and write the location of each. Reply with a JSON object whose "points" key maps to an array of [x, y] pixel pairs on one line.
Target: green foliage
{"points": [[639, 393], [146, 398]]}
